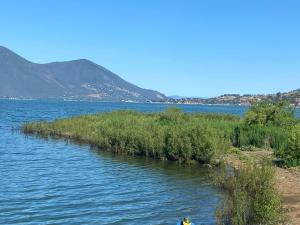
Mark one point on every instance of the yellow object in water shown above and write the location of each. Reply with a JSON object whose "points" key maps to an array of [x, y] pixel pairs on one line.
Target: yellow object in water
{"points": [[186, 221]]}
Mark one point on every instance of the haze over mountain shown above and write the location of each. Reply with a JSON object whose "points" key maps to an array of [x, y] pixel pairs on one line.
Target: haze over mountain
{"points": [[77, 79]]}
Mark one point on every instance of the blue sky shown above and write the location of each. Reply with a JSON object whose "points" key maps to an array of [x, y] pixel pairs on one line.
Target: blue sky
{"points": [[189, 48]]}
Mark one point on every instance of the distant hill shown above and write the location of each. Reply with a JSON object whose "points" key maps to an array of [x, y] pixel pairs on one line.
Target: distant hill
{"points": [[236, 99], [77, 79], [183, 97]]}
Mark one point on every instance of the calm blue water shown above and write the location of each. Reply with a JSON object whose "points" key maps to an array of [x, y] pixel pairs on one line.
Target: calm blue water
{"points": [[54, 182]]}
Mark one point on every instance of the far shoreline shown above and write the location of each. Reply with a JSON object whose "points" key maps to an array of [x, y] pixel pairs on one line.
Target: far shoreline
{"points": [[128, 102]]}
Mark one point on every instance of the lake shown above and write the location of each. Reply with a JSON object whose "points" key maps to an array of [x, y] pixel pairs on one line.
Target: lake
{"points": [[56, 182]]}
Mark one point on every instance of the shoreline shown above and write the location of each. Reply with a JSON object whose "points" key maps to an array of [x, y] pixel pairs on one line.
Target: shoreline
{"points": [[193, 138], [287, 181], [130, 102]]}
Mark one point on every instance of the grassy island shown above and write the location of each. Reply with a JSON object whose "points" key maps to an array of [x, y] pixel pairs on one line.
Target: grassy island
{"points": [[203, 138], [171, 135]]}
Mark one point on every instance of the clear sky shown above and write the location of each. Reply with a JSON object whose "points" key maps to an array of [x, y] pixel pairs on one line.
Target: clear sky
{"points": [[189, 48]]}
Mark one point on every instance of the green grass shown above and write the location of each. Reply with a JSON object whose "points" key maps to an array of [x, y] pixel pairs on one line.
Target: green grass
{"points": [[171, 135]]}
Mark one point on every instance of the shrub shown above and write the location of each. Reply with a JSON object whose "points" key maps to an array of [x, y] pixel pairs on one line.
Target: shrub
{"points": [[268, 113], [251, 197], [291, 154]]}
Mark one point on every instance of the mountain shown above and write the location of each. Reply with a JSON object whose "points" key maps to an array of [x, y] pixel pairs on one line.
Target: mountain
{"points": [[236, 99], [77, 79]]}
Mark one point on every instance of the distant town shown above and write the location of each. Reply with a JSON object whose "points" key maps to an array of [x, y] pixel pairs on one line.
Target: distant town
{"points": [[236, 99]]}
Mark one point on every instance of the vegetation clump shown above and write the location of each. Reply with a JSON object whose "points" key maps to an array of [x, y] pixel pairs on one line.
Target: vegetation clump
{"points": [[172, 135], [176, 135], [270, 126], [251, 197], [270, 114], [291, 154]]}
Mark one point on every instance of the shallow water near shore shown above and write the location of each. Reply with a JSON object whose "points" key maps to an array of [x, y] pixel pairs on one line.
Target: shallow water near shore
{"points": [[55, 182]]}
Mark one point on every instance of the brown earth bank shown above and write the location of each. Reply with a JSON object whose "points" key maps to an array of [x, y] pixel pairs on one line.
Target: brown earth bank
{"points": [[288, 185], [287, 181]]}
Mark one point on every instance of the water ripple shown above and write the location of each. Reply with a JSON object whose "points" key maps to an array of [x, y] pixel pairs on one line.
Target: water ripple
{"points": [[52, 182]]}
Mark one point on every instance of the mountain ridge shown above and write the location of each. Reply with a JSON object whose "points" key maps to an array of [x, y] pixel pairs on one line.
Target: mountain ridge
{"points": [[79, 79]]}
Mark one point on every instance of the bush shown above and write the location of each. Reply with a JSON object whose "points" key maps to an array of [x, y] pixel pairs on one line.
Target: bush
{"points": [[268, 113], [271, 125], [291, 154], [251, 197]]}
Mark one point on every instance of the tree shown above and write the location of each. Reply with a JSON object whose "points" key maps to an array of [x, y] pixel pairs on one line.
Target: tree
{"points": [[266, 113]]}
